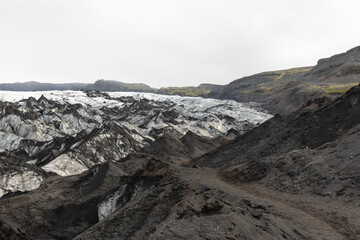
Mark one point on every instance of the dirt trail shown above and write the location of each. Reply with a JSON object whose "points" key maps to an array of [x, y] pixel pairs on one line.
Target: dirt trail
{"points": [[318, 217], [339, 216]]}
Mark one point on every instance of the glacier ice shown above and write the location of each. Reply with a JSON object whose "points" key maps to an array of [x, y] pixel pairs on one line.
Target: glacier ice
{"points": [[108, 206], [125, 126], [19, 181]]}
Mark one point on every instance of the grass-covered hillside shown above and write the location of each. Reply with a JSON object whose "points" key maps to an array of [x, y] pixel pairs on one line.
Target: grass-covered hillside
{"points": [[287, 90], [200, 91], [116, 86]]}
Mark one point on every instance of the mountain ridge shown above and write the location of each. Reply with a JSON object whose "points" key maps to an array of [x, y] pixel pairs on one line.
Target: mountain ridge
{"points": [[100, 85]]}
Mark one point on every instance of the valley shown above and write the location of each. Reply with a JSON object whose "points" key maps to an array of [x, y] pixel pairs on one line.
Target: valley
{"points": [[280, 162]]}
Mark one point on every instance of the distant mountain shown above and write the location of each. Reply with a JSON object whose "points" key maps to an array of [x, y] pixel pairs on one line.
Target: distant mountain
{"points": [[37, 86], [101, 85], [115, 86], [203, 90]]}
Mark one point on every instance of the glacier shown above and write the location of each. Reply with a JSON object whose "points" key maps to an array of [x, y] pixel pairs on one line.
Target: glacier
{"points": [[68, 132]]}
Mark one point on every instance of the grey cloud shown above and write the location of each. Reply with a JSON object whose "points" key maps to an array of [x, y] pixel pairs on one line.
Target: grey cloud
{"points": [[168, 43]]}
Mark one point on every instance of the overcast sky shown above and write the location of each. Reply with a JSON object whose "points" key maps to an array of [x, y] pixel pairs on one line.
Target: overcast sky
{"points": [[169, 42]]}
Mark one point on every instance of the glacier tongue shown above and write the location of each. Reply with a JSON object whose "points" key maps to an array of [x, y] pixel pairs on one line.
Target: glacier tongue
{"points": [[68, 132], [75, 111]]}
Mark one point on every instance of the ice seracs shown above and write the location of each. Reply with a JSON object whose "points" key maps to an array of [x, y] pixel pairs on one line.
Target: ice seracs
{"points": [[68, 132], [19, 181]]}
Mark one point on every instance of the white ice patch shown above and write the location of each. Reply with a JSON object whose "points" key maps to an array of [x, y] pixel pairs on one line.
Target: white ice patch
{"points": [[9, 141], [65, 166], [75, 125], [32, 162], [108, 206], [13, 124], [19, 181], [76, 144]]}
